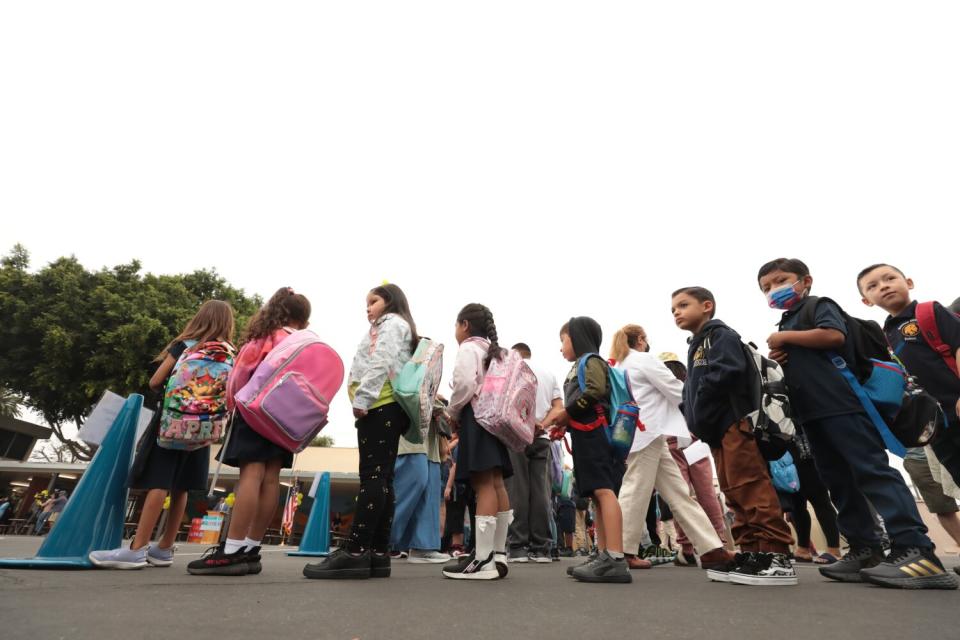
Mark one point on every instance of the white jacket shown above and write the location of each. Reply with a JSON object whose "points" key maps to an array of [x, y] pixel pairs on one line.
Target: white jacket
{"points": [[658, 394], [380, 356], [468, 372]]}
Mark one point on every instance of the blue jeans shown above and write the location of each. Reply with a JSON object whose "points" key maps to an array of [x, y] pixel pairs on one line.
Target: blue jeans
{"points": [[416, 519], [853, 463]]}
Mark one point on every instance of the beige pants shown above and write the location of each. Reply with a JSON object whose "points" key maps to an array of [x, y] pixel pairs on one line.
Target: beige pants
{"points": [[655, 467], [580, 533]]}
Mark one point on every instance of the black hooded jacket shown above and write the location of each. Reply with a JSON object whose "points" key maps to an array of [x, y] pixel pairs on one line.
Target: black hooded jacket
{"points": [[716, 382], [586, 335]]}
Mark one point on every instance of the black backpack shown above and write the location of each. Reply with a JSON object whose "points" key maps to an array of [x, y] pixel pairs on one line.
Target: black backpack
{"points": [[869, 341]]}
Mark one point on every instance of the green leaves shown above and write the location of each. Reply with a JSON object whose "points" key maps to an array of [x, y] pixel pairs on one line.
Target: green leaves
{"points": [[67, 334]]}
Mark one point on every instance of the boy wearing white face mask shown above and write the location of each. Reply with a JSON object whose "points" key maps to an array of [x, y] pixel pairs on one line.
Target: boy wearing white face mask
{"points": [[847, 448]]}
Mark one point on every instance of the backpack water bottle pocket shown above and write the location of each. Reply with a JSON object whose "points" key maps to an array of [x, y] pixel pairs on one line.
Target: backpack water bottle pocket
{"points": [[295, 406]]}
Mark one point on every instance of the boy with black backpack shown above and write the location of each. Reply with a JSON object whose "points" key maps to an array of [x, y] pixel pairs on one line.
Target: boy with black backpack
{"points": [[926, 338], [814, 344], [718, 381]]}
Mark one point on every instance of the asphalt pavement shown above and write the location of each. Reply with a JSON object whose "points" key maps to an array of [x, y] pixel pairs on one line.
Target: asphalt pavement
{"points": [[534, 601]]}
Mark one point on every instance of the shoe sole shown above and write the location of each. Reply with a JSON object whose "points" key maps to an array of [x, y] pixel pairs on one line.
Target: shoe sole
{"points": [[159, 563], [518, 560], [337, 574], [428, 561], [230, 570], [618, 579], [254, 568], [943, 581], [842, 577], [116, 564], [757, 581], [489, 574], [380, 573], [541, 560], [718, 576]]}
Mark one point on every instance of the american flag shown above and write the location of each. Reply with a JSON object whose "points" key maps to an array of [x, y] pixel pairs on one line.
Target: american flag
{"points": [[289, 509]]}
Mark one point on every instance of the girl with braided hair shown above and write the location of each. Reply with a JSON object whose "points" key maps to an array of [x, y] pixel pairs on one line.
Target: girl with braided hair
{"points": [[482, 460]]}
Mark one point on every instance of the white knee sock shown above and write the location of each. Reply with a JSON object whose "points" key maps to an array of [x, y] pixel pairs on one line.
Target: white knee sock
{"points": [[486, 535], [504, 518], [250, 543], [232, 546]]}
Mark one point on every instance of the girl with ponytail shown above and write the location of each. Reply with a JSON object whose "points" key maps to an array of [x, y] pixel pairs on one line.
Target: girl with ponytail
{"points": [[482, 460]]}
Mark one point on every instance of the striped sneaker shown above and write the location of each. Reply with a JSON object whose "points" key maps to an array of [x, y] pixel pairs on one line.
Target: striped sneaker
{"points": [[474, 570], [910, 568], [658, 555]]}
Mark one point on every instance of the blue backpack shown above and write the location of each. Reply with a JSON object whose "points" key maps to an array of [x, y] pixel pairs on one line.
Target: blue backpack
{"points": [[624, 413], [784, 474]]}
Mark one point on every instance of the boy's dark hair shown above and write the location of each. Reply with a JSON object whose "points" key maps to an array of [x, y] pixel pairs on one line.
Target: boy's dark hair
{"points": [[863, 273], [395, 301], [955, 307], [523, 349], [699, 294], [480, 320], [790, 265]]}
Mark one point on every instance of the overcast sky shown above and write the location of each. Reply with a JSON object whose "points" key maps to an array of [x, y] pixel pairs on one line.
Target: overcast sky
{"points": [[545, 159]]}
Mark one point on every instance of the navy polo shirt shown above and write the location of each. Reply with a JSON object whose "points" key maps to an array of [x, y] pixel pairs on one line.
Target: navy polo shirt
{"points": [[815, 386], [922, 362]]}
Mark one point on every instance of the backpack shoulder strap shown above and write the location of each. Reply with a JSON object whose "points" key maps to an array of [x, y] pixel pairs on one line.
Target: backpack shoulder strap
{"points": [[582, 369], [927, 321]]}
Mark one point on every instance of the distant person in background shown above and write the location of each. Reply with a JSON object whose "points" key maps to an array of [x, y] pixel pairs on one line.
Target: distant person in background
{"points": [[955, 307], [4, 508]]}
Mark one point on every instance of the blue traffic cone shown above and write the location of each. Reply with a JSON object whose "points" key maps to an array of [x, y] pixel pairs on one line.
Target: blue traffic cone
{"points": [[316, 537], [93, 518]]}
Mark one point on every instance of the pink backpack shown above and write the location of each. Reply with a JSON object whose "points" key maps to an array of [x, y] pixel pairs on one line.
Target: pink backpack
{"points": [[507, 402], [288, 397]]}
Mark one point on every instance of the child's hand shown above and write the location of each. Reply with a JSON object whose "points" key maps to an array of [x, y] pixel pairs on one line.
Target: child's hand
{"points": [[454, 423], [359, 413], [779, 355], [776, 341], [447, 493], [557, 432]]}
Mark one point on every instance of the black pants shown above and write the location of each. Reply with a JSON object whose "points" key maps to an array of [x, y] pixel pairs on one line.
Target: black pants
{"points": [[652, 521], [813, 490], [378, 436], [529, 490], [853, 464]]}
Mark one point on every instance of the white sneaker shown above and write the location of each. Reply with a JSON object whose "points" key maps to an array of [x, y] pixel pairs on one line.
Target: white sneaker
{"points": [[474, 570], [418, 556], [122, 558]]}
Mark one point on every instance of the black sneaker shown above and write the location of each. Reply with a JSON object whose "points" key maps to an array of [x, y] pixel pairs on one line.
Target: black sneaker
{"points": [[765, 569], [253, 561], [554, 554], [215, 562], [722, 572], [604, 569], [473, 570], [341, 565], [379, 565], [910, 568], [458, 564], [590, 558], [847, 568]]}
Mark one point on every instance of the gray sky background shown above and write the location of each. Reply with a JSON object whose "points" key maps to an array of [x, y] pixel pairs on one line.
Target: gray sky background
{"points": [[545, 159]]}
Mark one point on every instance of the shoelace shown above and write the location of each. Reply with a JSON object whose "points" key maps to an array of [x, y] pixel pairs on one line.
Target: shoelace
{"points": [[901, 554]]}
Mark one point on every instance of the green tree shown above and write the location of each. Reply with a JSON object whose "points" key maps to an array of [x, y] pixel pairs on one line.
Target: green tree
{"points": [[69, 334], [322, 441], [9, 403]]}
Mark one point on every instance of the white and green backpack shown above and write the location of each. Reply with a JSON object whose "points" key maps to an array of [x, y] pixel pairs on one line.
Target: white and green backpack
{"points": [[415, 387]]}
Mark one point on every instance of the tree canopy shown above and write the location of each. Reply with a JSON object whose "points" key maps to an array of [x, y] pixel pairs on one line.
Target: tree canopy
{"points": [[67, 334]]}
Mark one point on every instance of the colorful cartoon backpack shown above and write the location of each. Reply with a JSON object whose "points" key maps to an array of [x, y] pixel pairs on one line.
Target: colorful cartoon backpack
{"points": [[415, 387], [287, 399], [624, 418], [194, 413], [507, 401]]}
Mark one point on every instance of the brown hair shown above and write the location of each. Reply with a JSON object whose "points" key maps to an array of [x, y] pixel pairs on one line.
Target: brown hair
{"points": [[213, 321], [284, 308], [625, 339]]}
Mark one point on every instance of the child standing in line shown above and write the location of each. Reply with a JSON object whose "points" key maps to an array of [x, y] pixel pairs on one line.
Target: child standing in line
{"points": [[259, 460], [885, 286], [381, 421], [172, 472], [481, 458], [715, 401], [597, 470], [847, 448]]}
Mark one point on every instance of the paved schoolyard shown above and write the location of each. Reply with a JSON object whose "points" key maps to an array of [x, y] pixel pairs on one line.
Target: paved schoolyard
{"points": [[535, 601]]}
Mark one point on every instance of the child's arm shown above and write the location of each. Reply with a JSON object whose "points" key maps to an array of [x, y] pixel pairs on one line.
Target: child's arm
{"points": [[830, 332], [162, 373], [469, 362], [595, 390], [448, 490], [725, 366]]}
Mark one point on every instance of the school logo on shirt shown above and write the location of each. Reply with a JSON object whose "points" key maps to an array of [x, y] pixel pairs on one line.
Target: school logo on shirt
{"points": [[700, 357], [910, 330]]}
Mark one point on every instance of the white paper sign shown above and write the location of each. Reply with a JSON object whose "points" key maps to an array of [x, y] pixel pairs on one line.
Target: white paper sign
{"points": [[696, 452], [95, 427]]}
